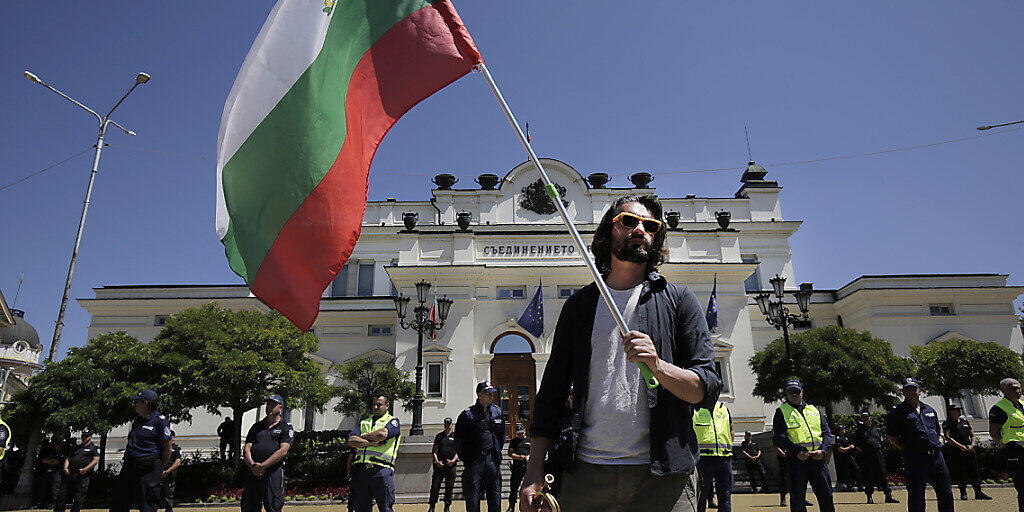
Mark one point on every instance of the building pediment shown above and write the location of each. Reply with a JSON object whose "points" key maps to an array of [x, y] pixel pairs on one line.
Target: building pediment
{"points": [[950, 335]]}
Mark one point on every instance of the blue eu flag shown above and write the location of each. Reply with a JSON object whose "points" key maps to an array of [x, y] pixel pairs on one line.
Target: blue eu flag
{"points": [[712, 314], [533, 318]]}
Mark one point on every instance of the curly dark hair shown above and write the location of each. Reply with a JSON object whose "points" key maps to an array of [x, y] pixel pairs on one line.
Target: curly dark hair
{"points": [[602, 244]]}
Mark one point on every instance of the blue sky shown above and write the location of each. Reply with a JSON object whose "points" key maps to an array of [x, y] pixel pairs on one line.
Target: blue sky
{"points": [[659, 86]]}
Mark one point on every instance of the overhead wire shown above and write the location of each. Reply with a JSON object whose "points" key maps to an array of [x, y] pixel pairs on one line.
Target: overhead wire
{"points": [[44, 169]]}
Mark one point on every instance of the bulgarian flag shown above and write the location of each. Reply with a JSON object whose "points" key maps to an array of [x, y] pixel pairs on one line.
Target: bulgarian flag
{"points": [[319, 89]]}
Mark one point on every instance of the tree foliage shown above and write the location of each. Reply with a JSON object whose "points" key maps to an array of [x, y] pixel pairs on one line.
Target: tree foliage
{"points": [[834, 364], [365, 379], [946, 368]]}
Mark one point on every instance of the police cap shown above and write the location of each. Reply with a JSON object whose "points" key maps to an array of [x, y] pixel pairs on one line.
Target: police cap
{"points": [[275, 398], [148, 395], [910, 382], [794, 384]]}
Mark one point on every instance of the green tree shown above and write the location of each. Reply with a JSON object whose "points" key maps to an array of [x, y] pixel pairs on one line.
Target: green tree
{"points": [[216, 358], [365, 379], [947, 368], [834, 364]]}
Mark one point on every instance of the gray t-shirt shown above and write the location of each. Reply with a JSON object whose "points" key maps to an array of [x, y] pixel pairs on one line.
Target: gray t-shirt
{"points": [[616, 421]]}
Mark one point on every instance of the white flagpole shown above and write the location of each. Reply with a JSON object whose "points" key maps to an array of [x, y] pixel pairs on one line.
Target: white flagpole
{"points": [[649, 378]]}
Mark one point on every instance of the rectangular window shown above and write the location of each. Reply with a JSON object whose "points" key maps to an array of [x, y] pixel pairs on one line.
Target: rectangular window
{"points": [[366, 271], [339, 287], [511, 292], [564, 292], [159, 320], [378, 330], [434, 380], [966, 403], [752, 283], [941, 309], [721, 367]]}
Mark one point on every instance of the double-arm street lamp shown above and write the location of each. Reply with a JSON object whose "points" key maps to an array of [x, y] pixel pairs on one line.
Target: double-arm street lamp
{"points": [[778, 314], [103, 120], [421, 324]]}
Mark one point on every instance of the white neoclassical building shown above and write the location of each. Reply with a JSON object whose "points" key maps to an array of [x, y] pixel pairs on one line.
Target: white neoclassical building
{"points": [[489, 248]]}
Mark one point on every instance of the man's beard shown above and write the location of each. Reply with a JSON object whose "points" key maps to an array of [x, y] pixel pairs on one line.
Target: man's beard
{"points": [[633, 252]]}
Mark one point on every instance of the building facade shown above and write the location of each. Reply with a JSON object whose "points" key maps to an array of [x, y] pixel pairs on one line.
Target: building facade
{"points": [[490, 248]]}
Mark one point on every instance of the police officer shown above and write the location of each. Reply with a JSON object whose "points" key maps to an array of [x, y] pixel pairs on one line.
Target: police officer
{"points": [[373, 468], [804, 434], [445, 457], [149, 448], [847, 470], [913, 428], [266, 446], [170, 474], [867, 439], [480, 435], [959, 452], [755, 469], [78, 468], [519, 452], [226, 433], [50, 471], [1006, 426], [714, 441]]}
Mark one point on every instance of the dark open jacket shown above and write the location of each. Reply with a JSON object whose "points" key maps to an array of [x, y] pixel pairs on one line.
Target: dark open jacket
{"points": [[674, 320]]}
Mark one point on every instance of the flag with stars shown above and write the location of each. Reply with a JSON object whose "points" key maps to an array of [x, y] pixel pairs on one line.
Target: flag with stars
{"points": [[712, 314], [533, 318]]}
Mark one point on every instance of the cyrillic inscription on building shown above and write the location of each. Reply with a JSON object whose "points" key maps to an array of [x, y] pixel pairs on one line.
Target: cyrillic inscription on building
{"points": [[528, 251]]}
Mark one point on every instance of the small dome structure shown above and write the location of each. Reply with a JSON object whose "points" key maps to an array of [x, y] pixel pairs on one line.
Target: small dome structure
{"points": [[20, 331]]}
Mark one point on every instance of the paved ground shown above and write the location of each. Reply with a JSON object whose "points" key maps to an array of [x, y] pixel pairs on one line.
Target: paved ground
{"points": [[1005, 501]]}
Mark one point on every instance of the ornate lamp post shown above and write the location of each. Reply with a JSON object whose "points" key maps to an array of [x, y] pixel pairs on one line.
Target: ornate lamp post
{"points": [[420, 324], [779, 316]]}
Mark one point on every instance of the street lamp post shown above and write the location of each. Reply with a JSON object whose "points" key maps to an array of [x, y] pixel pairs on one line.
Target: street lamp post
{"points": [[104, 120], [421, 324], [779, 316]]}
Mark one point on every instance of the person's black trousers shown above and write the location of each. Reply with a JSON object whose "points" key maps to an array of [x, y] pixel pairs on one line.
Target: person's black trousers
{"points": [[371, 484], [168, 492], [482, 477], [139, 482], [446, 474], [74, 488], [923, 469], [847, 471], [1018, 484], [717, 472], [783, 476], [872, 472], [755, 470], [963, 468], [266, 491], [815, 472], [518, 472]]}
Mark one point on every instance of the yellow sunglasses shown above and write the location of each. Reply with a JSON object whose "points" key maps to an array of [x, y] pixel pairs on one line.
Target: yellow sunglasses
{"points": [[630, 221]]}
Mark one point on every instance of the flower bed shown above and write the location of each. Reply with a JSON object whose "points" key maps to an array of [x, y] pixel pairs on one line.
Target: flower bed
{"points": [[228, 494]]}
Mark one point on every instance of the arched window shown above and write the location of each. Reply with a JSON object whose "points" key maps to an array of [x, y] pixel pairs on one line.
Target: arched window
{"points": [[511, 343]]}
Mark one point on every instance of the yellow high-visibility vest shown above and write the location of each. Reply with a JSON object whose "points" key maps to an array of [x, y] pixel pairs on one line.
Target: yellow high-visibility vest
{"points": [[6, 441], [383, 455], [803, 428], [714, 431], [1013, 429]]}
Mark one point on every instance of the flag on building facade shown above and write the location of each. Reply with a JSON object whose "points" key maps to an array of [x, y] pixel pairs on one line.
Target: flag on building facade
{"points": [[432, 316], [533, 318], [712, 313], [320, 88]]}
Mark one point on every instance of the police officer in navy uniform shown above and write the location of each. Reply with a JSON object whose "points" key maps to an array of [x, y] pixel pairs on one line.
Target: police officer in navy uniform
{"points": [[959, 453], [913, 428], [148, 450], [170, 475], [373, 469], [78, 468], [519, 452], [445, 458], [266, 445], [480, 435]]}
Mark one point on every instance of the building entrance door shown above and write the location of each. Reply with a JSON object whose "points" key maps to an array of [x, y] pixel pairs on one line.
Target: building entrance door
{"points": [[515, 376]]}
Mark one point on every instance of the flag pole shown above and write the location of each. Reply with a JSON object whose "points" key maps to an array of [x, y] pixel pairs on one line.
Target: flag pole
{"points": [[552, 191]]}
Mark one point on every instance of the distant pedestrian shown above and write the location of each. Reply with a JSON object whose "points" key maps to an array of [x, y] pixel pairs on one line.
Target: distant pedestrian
{"points": [[755, 468], [912, 426], [1006, 426], [847, 469], [480, 435], [226, 433], [373, 468], [170, 475], [445, 456], [867, 438], [266, 446], [959, 453], [147, 453], [519, 452], [78, 469]]}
